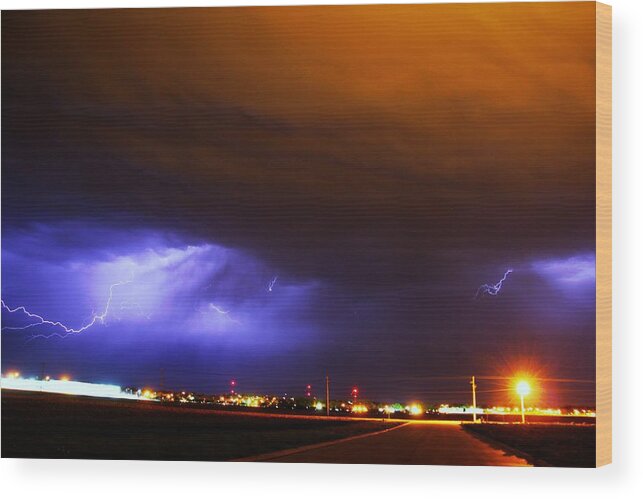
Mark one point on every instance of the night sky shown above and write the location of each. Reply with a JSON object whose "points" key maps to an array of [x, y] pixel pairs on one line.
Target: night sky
{"points": [[381, 162]]}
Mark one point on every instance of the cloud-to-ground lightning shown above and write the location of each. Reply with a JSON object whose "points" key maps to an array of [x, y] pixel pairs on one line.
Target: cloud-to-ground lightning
{"points": [[272, 283], [493, 289], [41, 321]]}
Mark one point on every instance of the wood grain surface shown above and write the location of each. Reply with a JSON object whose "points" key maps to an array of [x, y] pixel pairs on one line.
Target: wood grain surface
{"points": [[603, 234]]}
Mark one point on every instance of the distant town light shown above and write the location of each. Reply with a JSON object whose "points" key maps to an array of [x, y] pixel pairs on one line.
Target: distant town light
{"points": [[415, 409], [359, 409]]}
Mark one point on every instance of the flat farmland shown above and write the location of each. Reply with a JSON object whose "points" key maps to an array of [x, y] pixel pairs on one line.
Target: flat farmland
{"points": [[562, 445], [36, 425]]}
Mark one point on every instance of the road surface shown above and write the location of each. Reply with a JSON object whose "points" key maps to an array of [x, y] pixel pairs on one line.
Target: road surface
{"points": [[411, 443]]}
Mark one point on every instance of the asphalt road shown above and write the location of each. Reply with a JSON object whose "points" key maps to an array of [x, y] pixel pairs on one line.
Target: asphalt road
{"points": [[413, 443]]}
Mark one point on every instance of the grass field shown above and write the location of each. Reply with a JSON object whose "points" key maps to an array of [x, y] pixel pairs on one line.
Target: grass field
{"points": [[36, 425], [548, 444]]}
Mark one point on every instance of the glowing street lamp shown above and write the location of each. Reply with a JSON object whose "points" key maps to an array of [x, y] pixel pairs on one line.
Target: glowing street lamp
{"points": [[523, 389]]}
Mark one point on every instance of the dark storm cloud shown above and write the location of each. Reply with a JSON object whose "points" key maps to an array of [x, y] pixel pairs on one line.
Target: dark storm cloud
{"points": [[316, 125], [403, 155]]}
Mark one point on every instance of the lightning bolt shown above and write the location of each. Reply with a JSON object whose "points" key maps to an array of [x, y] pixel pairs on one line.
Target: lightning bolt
{"points": [[219, 310], [493, 289], [272, 283], [66, 330]]}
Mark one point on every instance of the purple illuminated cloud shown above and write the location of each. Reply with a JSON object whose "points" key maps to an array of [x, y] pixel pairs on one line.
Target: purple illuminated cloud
{"points": [[578, 271], [200, 293]]}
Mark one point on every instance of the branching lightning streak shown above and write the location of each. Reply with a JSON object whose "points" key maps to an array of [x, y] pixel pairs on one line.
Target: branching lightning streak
{"points": [[218, 309], [223, 312], [272, 283], [493, 289], [41, 321]]}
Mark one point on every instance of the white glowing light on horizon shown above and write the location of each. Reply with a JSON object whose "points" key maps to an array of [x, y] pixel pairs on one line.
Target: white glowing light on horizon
{"points": [[65, 387]]}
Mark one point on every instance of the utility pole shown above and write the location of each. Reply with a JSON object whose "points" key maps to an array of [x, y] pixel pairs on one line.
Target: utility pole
{"points": [[327, 395], [473, 393], [42, 374]]}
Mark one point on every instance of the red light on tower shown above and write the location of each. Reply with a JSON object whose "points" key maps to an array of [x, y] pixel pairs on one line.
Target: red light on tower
{"points": [[354, 393], [233, 384], [308, 390]]}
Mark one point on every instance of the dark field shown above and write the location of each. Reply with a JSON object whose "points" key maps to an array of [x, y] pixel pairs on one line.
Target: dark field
{"points": [[39, 425], [548, 444]]}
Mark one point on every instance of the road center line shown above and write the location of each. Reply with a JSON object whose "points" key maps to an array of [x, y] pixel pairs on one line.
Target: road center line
{"points": [[297, 450]]}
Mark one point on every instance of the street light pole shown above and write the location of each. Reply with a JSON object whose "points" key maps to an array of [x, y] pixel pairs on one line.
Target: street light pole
{"points": [[473, 393], [523, 389], [327, 395]]}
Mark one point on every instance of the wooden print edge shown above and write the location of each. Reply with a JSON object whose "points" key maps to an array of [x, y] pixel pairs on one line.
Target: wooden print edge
{"points": [[603, 234]]}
